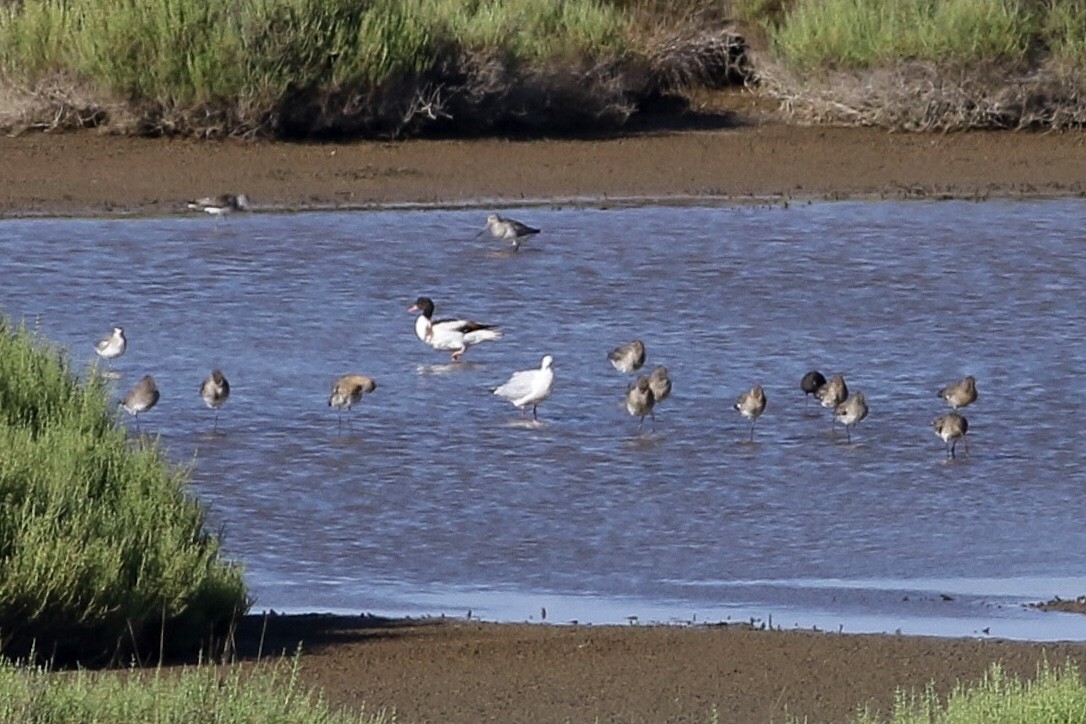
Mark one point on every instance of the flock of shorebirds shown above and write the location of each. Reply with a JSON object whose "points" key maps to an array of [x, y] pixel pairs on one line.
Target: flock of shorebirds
{"points": [[527, 389]]}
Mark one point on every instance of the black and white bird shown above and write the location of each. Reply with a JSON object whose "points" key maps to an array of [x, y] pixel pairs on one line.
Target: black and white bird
{"points": [[221, 205], [451, 335]]}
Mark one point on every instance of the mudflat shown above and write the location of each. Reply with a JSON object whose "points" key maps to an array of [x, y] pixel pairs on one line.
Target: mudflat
{"points": [[465, 671]]}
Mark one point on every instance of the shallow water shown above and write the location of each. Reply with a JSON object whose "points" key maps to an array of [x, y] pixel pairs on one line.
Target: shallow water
{"points": [[434, 496]]}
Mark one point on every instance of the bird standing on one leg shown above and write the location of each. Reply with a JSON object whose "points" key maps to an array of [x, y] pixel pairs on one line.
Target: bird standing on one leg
{"points": [[348, 390], [640, 401], [751, 405], [214, 391]]}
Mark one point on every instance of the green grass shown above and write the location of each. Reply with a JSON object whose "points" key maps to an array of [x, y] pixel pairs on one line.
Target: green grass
{"points": [[1056, 696], [101, 548], [266, 693], [866, 33]]}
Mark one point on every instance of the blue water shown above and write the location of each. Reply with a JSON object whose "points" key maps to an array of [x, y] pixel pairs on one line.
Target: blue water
{"points": [[434, 497]]}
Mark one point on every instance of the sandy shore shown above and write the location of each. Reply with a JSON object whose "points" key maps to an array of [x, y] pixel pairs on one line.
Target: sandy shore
{"points": [[458, 671]]}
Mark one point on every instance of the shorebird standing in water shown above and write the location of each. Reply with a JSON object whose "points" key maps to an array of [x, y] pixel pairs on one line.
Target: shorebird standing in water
{"points": [[221, 205], [348, 390], [640, 401], [629, 357], [850, 412], [140, 398], [660, 384], [112, 346], [951, 428], [832, 394], [454, 335], [961, 393], [751, 405], [529, 387], [810, 384], [509, 230], [214, 391]]}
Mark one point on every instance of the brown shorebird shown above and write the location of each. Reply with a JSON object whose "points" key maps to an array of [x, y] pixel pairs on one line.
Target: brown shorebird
{"points": [[832, 394], [629, 357], [751, 405], [347, 391], [529, 387], [961, 393], [509, 230], [214, 391], [451, 335], [660, 384], [221, 205], [140, 398], [112, 345], [951, 428], [640, 401], [850, 412], [810, 383]]}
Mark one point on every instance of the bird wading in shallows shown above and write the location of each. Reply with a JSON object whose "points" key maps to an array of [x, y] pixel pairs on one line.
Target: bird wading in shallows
{"points": [[640, 401], [529, 387], [509, 230], [348, 391], [140, 398], [961, 393], [214, 391], [751, 405], [450, 335], [951, 428], [629, 357]]}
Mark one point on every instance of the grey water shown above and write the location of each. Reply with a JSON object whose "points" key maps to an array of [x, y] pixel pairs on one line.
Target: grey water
{"points": [[435, 497]]}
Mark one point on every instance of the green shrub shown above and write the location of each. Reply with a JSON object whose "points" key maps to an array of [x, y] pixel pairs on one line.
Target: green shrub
{"points": [[101, 549]]}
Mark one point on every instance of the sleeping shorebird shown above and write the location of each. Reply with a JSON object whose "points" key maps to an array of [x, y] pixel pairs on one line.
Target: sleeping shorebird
{"points": [[140, 398], [221, 205], [454, 335], [660, 384], [850, 412], [832, 394], [961, 393], [951, 428], [348, 390], [113, 345], [214, 391], [640, 401], [751, 405], [810, 383], [509, 230], [629, 357], [529, 387]]}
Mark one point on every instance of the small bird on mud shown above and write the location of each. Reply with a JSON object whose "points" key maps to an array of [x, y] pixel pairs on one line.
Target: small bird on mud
{"points": [[140, 398], [629, 357], [348, 390], [850, 412], [640, 401], [221, 205], [509, 230], [961, 393], [529, 387], [951, 428], [214, 391], [751, 405]]}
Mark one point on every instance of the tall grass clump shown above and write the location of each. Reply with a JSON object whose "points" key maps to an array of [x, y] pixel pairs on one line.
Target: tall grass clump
{"points": [[330, 67], [101, 549], [865, 33], [269, 692], [1057, 696]]}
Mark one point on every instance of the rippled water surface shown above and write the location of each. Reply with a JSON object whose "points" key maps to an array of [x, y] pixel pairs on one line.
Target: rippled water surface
{"points": [[437, 498]]}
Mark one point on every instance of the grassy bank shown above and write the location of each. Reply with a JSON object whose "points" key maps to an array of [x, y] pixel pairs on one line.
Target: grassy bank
{"points": [[102, 552]]}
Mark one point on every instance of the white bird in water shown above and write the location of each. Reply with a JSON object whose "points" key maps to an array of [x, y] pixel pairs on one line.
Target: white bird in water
{"points": [[214, 391], [629, 357], [529, 387], [509, 230], [850, 412], [140, 398], [348, 390], [221, 204], [751, 405], [640, 401], [454, 335], [951, 428], [961, 393], [113, 345]]}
